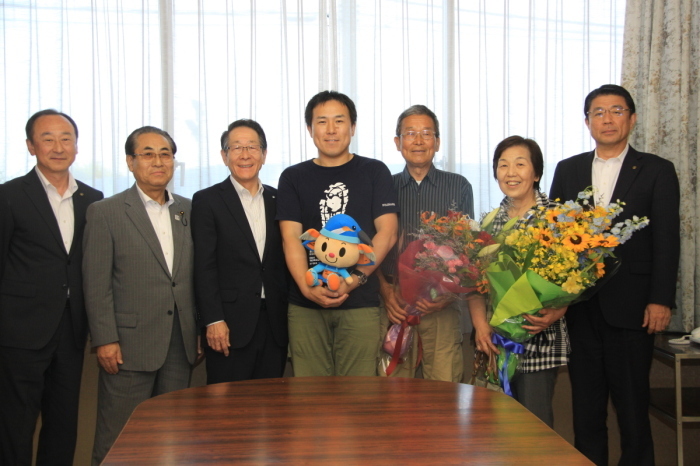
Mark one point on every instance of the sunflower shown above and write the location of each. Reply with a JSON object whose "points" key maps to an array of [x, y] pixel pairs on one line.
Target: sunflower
{"points": [[544, 236], [577, 242], [552, 215]]}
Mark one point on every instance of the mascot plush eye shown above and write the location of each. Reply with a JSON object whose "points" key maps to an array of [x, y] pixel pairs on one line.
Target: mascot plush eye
{"points": [[341, 253], [324, 246]]}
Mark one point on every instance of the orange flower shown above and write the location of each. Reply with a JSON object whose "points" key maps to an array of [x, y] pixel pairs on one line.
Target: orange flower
{"points": [[576, 242], [552, 215], [544, 236], [599, 269], [610, 241], [428, 217]]}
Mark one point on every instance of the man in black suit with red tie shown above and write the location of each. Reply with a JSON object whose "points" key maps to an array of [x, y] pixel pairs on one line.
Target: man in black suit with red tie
{"points": [[239, 270], [612, 334], [43, 326]]}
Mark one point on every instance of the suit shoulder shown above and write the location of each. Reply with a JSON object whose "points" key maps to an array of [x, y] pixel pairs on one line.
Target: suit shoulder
{"points": [[89, 190], [574, 159], [109, 202], [14, 183], [656, 160], [184, 200]]}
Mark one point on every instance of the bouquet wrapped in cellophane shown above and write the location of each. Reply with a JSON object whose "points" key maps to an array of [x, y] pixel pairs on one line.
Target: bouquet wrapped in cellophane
{"points": [[548, 263], [448, 259]]}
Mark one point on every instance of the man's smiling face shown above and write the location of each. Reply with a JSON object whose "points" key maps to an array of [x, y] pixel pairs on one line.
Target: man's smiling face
{"points": [[331, 129], [418, 151]]}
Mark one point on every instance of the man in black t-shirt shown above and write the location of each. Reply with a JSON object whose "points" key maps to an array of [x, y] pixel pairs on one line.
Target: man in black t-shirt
{"points": [[335, 333]]}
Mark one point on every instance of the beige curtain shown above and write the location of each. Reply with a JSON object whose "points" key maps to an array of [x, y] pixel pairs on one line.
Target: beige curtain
{"points": [[661, 68]]}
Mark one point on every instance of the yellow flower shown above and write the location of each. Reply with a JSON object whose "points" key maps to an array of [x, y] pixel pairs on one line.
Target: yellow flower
{"points": [[571, 285]]}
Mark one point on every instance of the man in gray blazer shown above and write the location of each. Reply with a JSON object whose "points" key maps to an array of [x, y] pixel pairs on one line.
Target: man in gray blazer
{"points": [[138, 285]]}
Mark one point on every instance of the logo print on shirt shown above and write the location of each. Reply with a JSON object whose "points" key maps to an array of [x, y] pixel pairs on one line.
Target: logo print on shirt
{"points": [[335, 202]]}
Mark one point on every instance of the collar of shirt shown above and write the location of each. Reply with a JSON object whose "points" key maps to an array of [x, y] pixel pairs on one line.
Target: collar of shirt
{"points": [[72, 184], [620, 157], [429, 177], [243, 191], [148, 201]]}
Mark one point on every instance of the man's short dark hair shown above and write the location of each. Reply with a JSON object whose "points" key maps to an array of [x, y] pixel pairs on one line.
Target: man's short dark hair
{"points": [[535, 155], [29, 129], [608, 89], [417, 110], [325, 96], [131, 141], [247, 123]]}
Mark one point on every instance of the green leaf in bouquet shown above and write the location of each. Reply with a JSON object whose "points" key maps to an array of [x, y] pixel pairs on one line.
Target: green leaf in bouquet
{"points": [[548, 292], [513, 300], [490, 249]]}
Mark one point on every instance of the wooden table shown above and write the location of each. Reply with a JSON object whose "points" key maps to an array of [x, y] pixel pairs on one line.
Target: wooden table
{"points": [[338, 420]]}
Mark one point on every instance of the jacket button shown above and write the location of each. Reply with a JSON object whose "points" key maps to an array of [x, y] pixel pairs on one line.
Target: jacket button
{"points": [[174, 285], [170, 313]]}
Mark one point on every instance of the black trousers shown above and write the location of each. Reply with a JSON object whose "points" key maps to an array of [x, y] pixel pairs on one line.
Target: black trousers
{"points": [[45, 381], [610, 362], [261, 358]]}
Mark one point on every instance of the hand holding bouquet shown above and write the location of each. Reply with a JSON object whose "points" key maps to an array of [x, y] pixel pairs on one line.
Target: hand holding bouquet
{"points": [[551, 261], [447, 259]]}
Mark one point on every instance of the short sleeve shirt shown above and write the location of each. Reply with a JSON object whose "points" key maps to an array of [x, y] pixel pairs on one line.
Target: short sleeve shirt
{"points": [[310, 194]]}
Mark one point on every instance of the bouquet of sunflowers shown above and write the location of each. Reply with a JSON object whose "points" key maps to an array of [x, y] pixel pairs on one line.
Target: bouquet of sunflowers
{"points": [[549, 263], [448, 258]]}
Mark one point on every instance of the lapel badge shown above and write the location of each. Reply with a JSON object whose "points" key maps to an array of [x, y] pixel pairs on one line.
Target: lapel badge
{"points": [[634, 167]]}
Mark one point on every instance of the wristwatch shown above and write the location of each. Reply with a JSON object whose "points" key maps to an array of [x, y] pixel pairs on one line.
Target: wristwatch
{"points": [[361, 277]]}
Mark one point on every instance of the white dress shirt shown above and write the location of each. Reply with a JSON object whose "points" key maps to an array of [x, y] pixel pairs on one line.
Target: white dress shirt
{"points": [[604, 176], [160, 219], [62, 207], [254, 207]]}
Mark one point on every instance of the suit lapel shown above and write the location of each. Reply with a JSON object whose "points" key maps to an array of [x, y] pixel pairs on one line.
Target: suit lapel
{"points": [[79, 208], [234, 205], [136, 212], [178, 227], [36, 192], [270, 223], [586, 171], [629, 170]]}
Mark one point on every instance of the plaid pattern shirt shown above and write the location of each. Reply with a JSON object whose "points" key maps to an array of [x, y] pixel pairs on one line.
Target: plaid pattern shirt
{"points": [[549, 348]]}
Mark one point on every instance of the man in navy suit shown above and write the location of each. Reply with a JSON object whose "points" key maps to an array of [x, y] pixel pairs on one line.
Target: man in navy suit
{"points": [[43, 325], [612, 334], [239, 268]]}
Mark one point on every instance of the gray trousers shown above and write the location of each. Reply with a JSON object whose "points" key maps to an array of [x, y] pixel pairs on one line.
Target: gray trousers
{"points": [[119, 394], [535, 391]]}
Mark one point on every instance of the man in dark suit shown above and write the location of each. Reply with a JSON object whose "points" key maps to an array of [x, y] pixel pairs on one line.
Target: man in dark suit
{"points": [[139, 291], [612, 334], [43, 326], [240, 273]]}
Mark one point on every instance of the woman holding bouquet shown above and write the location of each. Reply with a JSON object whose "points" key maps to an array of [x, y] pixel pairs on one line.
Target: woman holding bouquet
{"points": [[518, 166]]}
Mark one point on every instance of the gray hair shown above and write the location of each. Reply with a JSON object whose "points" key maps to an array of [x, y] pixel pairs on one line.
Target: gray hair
{"points": [[417, 110]]}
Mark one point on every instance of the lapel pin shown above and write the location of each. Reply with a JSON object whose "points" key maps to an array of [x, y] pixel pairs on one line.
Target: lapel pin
{"points": [[634, 167], [82, 194]]}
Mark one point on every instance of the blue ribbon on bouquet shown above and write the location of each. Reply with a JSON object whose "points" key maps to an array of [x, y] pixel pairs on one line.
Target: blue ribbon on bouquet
{"points": [[510, 347]]}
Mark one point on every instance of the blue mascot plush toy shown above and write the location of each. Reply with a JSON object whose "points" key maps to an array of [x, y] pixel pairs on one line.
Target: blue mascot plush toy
{"points": [[340, 245]]}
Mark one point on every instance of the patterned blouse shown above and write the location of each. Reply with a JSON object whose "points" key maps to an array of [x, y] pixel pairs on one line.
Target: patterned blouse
{"points": [[549, 348]]}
